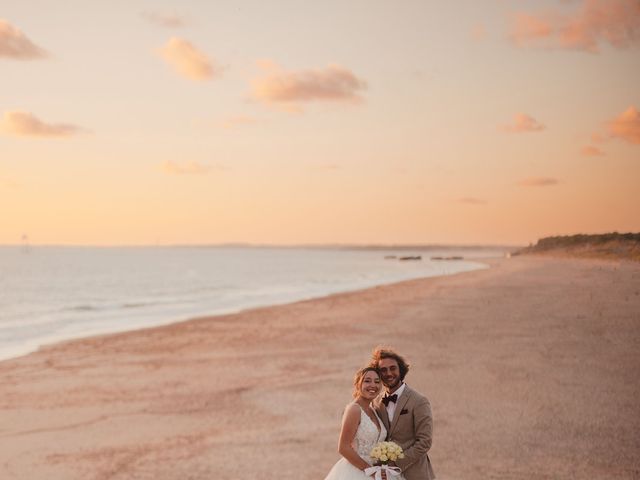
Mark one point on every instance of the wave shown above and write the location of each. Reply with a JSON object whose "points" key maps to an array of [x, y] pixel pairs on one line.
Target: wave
{"points": [[97, 291], [81, 308]]}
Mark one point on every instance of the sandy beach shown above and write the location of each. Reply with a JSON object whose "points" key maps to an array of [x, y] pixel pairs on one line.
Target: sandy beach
{"points": [[531, 367]]}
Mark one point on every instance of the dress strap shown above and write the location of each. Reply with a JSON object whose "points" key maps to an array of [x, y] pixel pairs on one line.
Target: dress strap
{"points": [[379, 425]]}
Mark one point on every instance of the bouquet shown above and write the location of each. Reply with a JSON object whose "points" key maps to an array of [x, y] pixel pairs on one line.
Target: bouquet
{"points": [[383, 453]]}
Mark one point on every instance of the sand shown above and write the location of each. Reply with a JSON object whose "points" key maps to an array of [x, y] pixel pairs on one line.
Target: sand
{"points": [[532, 368]]}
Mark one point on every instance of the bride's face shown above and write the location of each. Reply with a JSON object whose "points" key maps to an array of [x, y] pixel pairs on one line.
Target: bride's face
{"points": [[370, 386]]}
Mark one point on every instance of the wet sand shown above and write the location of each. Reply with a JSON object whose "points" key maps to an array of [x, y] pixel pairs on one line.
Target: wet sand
{"points": [[532, 368]]}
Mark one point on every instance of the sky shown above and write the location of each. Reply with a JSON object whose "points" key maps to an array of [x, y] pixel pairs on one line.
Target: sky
{"points": [[303, 122]]}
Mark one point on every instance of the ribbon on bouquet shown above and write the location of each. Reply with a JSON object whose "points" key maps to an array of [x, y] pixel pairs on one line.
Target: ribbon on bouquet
{"points": [[377, 470]]}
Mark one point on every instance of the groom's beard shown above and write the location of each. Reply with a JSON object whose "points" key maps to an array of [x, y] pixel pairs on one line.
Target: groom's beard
{"points": [[390, 387]]}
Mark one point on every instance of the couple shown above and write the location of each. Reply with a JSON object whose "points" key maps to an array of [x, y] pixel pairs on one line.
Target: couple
{"points": [[402, 415]]}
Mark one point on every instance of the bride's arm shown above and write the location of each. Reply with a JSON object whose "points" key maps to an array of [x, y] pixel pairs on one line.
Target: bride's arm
{"points": [[350, 422]]}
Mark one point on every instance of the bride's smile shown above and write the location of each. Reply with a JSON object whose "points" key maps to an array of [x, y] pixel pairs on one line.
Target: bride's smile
{"points": [[371, 386]]}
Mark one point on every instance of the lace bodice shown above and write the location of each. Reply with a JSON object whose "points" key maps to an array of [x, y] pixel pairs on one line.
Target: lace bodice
{"points": [[367, 436]]}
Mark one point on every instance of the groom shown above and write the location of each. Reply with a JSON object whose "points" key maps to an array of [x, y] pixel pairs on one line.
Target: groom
{"points": [[406, 415]]}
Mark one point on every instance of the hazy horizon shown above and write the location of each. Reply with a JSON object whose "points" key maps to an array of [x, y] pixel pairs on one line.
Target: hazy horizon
{"points": [[266, 245]]}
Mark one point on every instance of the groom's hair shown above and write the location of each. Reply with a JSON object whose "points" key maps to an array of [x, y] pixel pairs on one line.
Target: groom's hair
{"points": [[384, 352]]}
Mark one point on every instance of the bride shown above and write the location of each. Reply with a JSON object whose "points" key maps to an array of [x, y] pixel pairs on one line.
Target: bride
{"points": [[361, 429]]}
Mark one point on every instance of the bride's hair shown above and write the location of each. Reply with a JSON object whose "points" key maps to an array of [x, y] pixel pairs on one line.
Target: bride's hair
{"points": [[385, 352], [359, 377]]}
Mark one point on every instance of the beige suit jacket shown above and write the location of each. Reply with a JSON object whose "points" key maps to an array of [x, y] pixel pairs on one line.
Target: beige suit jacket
{"points": [[412, 428]]}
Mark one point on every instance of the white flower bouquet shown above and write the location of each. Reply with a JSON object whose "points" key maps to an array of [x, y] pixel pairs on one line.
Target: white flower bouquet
{"points": [[383, 453]]}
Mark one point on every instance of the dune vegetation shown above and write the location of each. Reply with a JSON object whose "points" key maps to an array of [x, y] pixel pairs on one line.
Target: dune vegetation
{"points": [[608, 245]]}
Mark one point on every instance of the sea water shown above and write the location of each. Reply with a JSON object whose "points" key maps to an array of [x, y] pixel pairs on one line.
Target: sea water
{"points": [[49, 294]]}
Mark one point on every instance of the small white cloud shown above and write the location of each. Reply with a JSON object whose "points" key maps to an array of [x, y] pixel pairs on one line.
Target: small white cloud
{"points": [[15, 44], [332, 83], [596, 22], [25, 124], [538, 182], [626, 126], [187, 60], [524, 123]]}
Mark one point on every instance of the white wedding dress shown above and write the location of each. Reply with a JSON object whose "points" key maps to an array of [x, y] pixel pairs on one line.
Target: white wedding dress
{"points": [[366, 438]]}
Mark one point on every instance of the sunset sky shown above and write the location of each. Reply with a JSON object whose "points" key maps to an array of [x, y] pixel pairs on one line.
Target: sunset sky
{"points": [[334, 121]]}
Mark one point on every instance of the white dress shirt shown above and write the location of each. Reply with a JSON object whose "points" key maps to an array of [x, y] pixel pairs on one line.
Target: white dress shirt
{"points": [[391, 407]]}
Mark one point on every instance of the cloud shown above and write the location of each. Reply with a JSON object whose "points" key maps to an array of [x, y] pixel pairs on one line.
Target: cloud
{"points": [[168, 20], [591, 151], [187, 60], [185, 168], [616, 22], [626, 126], [472, 201], [15, 44], [538, 182], [332, 83], [524, 123], [25, 124]]}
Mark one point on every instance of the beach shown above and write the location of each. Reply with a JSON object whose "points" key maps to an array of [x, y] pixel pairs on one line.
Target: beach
{"points": [[531, 367]]}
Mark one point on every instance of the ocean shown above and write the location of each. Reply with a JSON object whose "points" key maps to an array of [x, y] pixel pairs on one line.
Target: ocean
{"points": [[50, 294]]}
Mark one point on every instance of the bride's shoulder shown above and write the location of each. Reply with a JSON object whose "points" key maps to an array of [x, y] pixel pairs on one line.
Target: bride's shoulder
{"points": [[352, 410], [352, 415], [352, 407]]}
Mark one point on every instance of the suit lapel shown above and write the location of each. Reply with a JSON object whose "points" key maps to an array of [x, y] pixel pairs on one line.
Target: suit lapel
{"points": [[382, 413], [400, 404]]}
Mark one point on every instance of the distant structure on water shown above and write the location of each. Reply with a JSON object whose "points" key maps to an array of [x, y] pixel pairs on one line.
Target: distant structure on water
{"points": [[26, 248]]}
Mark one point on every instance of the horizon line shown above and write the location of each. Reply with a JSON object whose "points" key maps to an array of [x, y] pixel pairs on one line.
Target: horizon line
{"points": [[268, 245]]}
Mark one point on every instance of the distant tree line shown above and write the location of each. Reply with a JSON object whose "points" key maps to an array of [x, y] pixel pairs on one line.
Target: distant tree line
{"points": [[605, 245], [562, 241]]}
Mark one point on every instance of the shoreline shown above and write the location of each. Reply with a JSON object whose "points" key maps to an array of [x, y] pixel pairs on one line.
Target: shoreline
{"points": [[112, 330], [530, 366]]}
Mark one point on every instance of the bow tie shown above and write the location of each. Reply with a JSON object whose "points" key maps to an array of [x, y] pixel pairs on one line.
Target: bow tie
{"points": [[389, 398]]}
